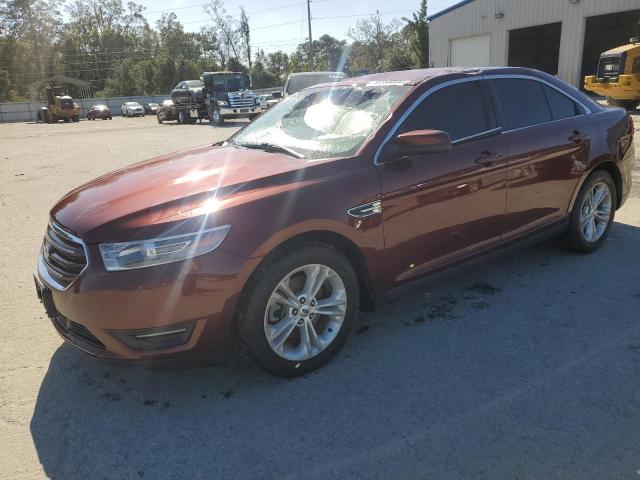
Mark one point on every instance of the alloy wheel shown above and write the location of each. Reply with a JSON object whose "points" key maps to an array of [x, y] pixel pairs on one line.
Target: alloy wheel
{"points": [[595, 212], [305, 312]]}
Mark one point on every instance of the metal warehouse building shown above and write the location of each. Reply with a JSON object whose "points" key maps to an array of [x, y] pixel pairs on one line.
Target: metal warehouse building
{"points": [[561, 37]]}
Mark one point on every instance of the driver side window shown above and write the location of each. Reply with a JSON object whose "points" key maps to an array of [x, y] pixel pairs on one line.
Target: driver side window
{"points": [[460, 109]]}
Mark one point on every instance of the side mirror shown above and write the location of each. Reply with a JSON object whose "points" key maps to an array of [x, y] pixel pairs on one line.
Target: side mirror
{"points": [[417, 142], [276, 94]]}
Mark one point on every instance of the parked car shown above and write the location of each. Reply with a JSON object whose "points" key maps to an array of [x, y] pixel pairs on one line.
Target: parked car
{"points": [[262, 101], [187, 92], [166, 111], [132, 109], [151, 108], [301, 80], [277, 237], [99, 111]]}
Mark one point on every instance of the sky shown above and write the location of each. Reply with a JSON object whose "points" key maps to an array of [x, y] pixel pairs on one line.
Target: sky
{"points": [[282, 24]]}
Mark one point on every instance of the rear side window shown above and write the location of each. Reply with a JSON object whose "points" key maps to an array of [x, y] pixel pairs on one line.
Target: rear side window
{"points": [[460, 110], [561, 105], [523, 102]]}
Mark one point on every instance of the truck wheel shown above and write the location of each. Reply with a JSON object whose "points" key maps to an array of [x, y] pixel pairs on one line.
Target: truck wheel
{"points": [[626, 104], [159, 119], [182, 117], [216, 118], [76, 118], [251, 117], [48, 116], [54, 118]]}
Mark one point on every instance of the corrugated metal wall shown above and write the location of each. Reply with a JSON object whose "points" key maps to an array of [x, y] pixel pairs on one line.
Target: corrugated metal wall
{"points": [[478, 17]]}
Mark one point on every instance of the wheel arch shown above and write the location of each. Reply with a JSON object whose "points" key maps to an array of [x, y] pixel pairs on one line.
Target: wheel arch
{"points": [[609, 166], [329, 239], [612, 169]]}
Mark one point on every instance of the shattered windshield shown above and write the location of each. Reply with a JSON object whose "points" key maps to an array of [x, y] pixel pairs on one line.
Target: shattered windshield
{"points": [[323, 122]]}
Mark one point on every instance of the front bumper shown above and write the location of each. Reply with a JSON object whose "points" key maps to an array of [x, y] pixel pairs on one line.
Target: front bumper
{"points": [[626, 88], [101, 311], [230, 112]]}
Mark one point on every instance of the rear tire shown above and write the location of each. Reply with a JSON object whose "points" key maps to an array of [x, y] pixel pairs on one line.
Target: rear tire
{"points": [[182, 117], [595, 203], [326, 332], [76, 118], [629, 105]]}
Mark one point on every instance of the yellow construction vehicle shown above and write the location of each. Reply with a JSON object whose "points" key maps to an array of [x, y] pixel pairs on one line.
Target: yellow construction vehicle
{"points": [[618, 76], [59, 106]]}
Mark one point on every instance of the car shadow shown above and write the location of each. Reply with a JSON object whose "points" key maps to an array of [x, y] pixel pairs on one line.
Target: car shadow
{"points": [[504, 366]]}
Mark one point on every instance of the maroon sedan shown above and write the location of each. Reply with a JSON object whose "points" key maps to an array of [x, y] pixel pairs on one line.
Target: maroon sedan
{"points": [[276, 238], [99, 111]]}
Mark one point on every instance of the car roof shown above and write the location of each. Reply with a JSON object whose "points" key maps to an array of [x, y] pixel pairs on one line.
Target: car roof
{"points": [[414, 77], [310, 74]]}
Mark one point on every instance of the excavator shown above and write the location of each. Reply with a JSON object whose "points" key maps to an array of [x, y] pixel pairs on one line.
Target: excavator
{"points": [[59, 106]]}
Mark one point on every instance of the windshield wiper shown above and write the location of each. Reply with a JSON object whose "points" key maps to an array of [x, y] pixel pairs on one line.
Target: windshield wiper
{"points": [[272, 148]]}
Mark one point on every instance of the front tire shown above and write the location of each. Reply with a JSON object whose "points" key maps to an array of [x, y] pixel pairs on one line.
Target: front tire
{"points": [[215, 117], [593, 213], [299, 310]]}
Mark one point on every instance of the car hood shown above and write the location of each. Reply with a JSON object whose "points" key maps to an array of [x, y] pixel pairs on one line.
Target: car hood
{"points": [[146, 197]]}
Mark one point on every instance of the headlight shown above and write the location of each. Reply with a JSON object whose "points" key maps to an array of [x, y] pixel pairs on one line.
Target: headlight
{"points": [[223, 104], [158, 251]]}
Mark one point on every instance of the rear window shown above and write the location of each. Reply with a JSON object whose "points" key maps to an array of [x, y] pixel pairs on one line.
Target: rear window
{"points": [[561, 105], [523, 102], [297, 83], [460, 110]]}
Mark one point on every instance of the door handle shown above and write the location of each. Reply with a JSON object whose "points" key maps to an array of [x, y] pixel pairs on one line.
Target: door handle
{"points": [[488, 159], [578, 137]]}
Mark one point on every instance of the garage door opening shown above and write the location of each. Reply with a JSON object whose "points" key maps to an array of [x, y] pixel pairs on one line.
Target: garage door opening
{"points": [[536, 47], [604, 32]]}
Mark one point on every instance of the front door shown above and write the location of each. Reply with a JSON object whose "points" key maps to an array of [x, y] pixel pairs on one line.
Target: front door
{"points": [[438, 207]]}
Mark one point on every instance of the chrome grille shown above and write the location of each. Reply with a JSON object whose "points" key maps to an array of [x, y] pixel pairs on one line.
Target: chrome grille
{"points": [[62, 257], [237, 101]]}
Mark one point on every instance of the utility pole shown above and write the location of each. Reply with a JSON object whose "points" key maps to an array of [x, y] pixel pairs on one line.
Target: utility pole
{"points": [[310, 40]]}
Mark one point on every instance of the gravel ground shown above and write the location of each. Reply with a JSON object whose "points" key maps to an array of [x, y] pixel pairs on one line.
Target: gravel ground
{"points": [[524, 365]]}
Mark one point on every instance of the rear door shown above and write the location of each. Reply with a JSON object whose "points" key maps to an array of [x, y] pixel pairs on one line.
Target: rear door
{"points": [[440, 206], [548, 139]]}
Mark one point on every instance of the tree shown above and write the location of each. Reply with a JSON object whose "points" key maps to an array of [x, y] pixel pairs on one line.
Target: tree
{"points": [[419, 26], [226, 27], [278, 64], [373, 41], [245, 34]]}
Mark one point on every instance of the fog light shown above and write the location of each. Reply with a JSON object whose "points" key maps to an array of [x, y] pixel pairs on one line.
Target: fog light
{"points": [[156, 338]]}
